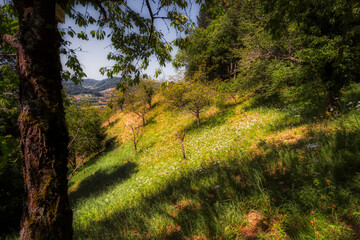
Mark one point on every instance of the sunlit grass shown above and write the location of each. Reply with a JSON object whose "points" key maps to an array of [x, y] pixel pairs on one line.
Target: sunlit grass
{"points": [[298, 177]]}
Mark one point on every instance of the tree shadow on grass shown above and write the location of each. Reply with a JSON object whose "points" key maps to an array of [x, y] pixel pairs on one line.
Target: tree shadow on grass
{"points": [[217, 119], [101, 180], [111, 124], [291, 179]]}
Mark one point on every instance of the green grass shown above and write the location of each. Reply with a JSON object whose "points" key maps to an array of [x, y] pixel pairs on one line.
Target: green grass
{"points": [[253, 171]]}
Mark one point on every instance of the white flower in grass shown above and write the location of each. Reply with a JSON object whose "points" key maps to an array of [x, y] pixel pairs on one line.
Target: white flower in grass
{"points": [[312, 145], [217, 186]]}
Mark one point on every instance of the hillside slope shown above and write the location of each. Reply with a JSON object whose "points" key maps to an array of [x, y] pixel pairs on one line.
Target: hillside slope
{"points": [[253, 171]]}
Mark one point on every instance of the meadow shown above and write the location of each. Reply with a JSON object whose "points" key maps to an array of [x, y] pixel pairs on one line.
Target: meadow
{"points": [[258, 169]]}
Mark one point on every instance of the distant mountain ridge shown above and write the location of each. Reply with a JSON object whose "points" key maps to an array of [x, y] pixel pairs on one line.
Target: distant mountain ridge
{"points": [[90, 86]]}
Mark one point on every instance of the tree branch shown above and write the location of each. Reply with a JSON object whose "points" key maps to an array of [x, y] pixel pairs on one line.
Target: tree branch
{"points": [[11, 40], [101, 8], [7, 54], [72, 173], [77, 133]]}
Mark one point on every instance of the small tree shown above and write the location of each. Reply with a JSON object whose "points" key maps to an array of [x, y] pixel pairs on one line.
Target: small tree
{"points": [[174, 93], [148, 89], [197, 98], [181, 138], [193, 96], [116, 98], [137, 98], [135, 134]]}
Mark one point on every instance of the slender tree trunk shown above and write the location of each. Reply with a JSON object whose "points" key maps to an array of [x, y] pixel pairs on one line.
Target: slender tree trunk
{"points": [[181, 138], [143, 119], [198, 118], [44, 136], [135, 149]]}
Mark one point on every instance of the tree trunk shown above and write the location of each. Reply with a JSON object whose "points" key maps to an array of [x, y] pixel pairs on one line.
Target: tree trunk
{"points": [[135, 148], [183, 149], [198, 119], [143, 120], [44, 136]]}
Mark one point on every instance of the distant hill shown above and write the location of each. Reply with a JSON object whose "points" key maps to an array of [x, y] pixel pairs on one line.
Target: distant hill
{"points": [[90, 86]]}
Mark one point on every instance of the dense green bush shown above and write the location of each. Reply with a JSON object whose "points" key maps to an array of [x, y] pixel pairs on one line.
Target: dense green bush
{"points": [[84, 126], [11, 180]]}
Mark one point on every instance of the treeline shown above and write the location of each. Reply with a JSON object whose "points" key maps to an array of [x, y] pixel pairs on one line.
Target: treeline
{"points": [[299, 51]]}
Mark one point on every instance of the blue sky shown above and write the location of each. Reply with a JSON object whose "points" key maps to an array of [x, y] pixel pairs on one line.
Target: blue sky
{"points": [[94, 52]]}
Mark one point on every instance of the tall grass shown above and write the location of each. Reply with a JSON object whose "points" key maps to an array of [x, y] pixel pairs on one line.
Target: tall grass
{"points": [[253, 171]]}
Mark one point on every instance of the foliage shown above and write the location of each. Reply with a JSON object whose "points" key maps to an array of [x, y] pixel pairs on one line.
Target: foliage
{"points": [[229, 89], [133, 32], [327, 37], [11, 181], [148, 88], [302, 52], [208, 54], [193, 96], [138, 99], [85, 131]]}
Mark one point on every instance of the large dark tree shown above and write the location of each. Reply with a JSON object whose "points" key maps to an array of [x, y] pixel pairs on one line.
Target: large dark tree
{"points": [[327, 37], [44, 136]]}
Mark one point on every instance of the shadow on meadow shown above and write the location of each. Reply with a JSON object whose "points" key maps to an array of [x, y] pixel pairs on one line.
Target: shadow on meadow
{"points": [[300, 189], [295, 113], [99, 181], [112, 123], [218, 119]]}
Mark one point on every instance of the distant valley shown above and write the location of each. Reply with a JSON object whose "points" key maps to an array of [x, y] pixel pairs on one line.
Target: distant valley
{"points": [[90, 86]]}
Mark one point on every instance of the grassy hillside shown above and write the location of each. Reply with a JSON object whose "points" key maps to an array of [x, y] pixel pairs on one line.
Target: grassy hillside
{"points": [[255, 170]]}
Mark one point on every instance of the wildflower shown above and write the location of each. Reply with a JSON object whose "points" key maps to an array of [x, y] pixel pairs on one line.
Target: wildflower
{"points": [[217, 186], [311, 222], [317, 233], [312, 145], [350, 103], [333, 206], [328, 181], [312, 212]]}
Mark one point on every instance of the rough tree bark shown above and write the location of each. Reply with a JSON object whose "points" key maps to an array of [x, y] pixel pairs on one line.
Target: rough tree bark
{"points": [[44, 136]]}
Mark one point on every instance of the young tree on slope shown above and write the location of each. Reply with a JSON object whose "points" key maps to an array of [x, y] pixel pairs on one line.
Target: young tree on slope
{"points": [[44, 136]]}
